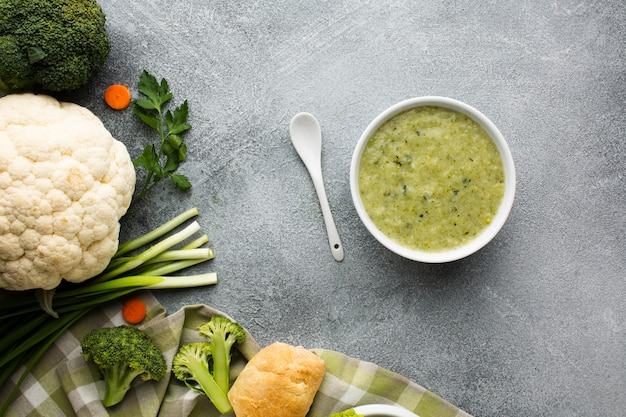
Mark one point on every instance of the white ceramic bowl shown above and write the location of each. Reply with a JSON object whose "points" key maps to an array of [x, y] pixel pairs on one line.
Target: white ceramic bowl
{"points": [[509, 181], [383, 410]]}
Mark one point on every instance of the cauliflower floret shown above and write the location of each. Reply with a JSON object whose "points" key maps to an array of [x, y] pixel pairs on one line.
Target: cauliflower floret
{"points": [[65, 182]]}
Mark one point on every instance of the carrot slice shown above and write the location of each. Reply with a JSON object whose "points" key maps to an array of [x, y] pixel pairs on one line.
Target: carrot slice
{"points": [[117, 96], [134, 311]]}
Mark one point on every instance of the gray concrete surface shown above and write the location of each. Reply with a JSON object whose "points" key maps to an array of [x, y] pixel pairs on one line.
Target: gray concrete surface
{"points": [[532, 325]]}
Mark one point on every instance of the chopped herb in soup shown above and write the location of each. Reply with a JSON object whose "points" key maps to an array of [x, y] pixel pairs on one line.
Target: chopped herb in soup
{"points": [[431, 178]]}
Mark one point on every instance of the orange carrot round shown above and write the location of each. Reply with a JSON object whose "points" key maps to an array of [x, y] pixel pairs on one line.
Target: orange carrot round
{"points": [[117, 96], [134, 311]]}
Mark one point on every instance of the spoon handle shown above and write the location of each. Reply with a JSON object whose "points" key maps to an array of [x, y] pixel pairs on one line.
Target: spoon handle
{"points": [[336, 248]]}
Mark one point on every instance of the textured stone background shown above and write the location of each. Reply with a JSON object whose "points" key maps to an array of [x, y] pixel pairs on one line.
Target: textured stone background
{"points": [[533, 324]]}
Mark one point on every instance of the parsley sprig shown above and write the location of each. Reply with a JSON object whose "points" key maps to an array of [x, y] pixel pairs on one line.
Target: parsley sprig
{"points": [[171, 125]]}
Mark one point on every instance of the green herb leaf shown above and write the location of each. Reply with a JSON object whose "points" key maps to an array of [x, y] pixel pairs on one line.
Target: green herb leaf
{"points": [[180, 128], [145, 104], [147, 159], [181, 181], [172, 162], [161, 161], [181, 112], [148, 119], [148, 86], [175, 141]]}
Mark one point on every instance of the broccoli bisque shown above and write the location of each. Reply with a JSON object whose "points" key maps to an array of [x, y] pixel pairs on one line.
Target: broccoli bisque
{"points": [[50, 45], [347, 413], [122, 353]]}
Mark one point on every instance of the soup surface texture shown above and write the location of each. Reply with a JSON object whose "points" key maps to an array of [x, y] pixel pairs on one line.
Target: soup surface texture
{"points": [[431, 179]]}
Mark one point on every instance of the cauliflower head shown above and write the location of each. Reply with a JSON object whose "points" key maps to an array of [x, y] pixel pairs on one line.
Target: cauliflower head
{"points": [[65, 182]]}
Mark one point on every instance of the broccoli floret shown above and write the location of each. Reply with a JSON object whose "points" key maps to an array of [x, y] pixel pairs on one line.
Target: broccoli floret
{"points": [[223, 334], [347, 413], [204, 366], [52, 45], [122, 353], [191, 365]]}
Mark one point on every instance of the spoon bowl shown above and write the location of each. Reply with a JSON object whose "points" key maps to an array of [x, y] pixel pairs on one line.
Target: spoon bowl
{"points": [[306, 137]]}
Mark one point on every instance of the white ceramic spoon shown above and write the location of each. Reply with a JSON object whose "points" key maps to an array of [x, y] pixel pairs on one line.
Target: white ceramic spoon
{"points": [[306, 136]]}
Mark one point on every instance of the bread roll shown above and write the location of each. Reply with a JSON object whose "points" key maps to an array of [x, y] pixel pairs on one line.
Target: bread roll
{"points": [[279, 381]]}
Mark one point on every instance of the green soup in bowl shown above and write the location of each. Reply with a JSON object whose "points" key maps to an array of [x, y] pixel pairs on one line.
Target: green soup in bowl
{"points": [[432, 179]]}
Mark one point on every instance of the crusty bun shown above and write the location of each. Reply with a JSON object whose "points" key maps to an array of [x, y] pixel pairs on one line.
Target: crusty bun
{"points": [[279, 381]]}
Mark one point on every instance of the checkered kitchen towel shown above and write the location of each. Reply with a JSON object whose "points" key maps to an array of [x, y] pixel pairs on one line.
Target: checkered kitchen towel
{"points": [[64, 384]]}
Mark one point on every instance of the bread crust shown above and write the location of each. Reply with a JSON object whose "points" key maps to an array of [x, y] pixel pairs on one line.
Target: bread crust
{"points": [[279, 381]]}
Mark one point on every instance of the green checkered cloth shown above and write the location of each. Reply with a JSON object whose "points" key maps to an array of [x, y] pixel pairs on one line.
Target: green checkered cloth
{"points": [[64, 384]]}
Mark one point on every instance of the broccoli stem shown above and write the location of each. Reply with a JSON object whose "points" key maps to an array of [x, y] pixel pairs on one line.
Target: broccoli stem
{"points": [[209, 386], [118, 379], [222, 333], [221, 364]]}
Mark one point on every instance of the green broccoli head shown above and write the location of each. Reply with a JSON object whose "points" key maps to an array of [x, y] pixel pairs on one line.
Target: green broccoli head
{"points": [[221, 328], [191, 366], [222, 333], [53, 45], [122, 353], [190, 360]]}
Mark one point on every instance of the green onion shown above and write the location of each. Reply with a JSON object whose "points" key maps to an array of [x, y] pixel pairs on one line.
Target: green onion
{"points": [[31, 321]]}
